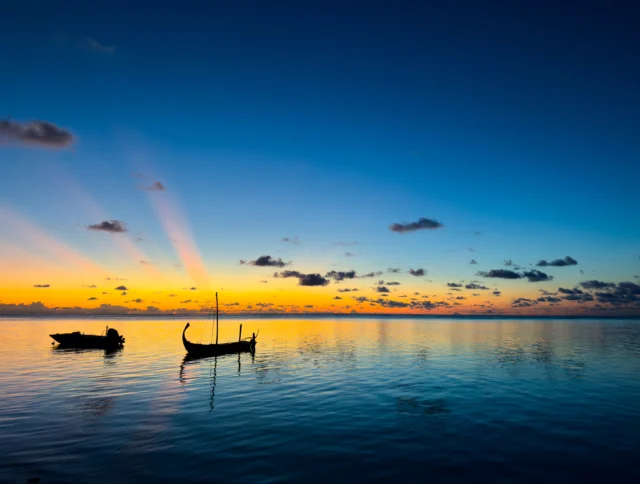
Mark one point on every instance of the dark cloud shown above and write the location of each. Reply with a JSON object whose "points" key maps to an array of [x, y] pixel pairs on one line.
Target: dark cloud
{"points": [[193, 288], [371, 274], [347, 290], [137, 301], [473, 285], [242, 261], [421, 224], [523, 302], [267, 261], [42, 285], [186, 302], [291, 240], [473, 262], [597, 285], [304, 279], [92, 299], [382, 289], [264, 282], [501, 274], [453, 284], [340, 275], [41, 133], [496, 293], [337, 297], [121, 288], [569, 291], [156, 187], [393, 270], [417, 272], [393, 283], [112, 226], [549, 299], [508, 263], [536, 276], [567, 261]]}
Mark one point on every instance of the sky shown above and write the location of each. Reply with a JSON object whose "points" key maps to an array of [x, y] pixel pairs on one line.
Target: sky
{"points": [[374, 157]]}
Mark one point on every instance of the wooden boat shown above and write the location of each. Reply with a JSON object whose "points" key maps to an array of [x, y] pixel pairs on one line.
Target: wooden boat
{"points": [[199, 350], [111, 340]]}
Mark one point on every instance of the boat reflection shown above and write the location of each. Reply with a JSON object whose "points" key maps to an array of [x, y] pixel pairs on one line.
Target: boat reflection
{"points": [[213, 370], [109, 353]]}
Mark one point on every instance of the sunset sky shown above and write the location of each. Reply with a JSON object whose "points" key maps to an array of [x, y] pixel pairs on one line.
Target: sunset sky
{"points": [[377, 157]]}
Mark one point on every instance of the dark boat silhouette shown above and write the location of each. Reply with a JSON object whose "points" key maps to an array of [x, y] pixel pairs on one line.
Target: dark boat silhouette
{"points": [[199, 350], [112, 340]]}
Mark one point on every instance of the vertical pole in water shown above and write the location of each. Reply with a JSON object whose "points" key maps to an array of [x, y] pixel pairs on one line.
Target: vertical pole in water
{"points": [[240, 335], [216, 318]]}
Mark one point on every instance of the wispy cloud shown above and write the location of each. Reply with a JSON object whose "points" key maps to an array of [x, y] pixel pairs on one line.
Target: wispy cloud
{"points": [[37, 133], [112, 226], [291, 240], [156, 187], [340, 275], [421, 224], [42, 285], [92, 44]]}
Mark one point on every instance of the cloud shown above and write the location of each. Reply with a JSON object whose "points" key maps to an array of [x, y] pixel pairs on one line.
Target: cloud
{"points": [[137, 301], [156, 187], [186, 302], [382, 289], [508, 263], [421, 224], [264, 282], [569, 291], [121, 288], [92, 299], [42, 285], [92, 44], [549, 299], [145, 262], [291, 240], [347, 290], [501, 274], [393, 283], [473, 285], [496, 293], [523, 302], [193, 288], [417, 272], [453, 284], [349, 254], [346, 244], [536, 276], [267, 261], [567, 261], [304, 279], [473, 262], [393, 270], [337, 297], [40, 133], [597, 285], [340, 275], [371, 274], [112, 226]]}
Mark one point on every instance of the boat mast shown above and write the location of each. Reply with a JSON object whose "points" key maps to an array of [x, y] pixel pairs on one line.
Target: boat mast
{"points": [[216, 318]]}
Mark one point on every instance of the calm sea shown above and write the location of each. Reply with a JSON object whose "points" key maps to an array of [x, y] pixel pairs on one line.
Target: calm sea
{"points": [[365, 400]]}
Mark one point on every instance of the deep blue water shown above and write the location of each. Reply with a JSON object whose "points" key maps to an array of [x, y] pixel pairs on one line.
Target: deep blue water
{"points": [[342, 400]]}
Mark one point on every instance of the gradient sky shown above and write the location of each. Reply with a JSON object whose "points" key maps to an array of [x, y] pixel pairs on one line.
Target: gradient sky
{"points": [[213, 132]]}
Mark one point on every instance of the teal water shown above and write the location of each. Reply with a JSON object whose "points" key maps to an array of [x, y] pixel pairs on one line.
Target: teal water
{"points": [[342, 400]]}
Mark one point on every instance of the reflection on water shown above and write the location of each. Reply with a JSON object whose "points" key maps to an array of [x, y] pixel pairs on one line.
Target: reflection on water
{"points": [[349, 400]]}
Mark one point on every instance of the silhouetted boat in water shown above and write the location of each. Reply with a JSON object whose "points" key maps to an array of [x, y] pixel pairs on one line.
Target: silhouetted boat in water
{"points": [[199, 350], [112, 340]]}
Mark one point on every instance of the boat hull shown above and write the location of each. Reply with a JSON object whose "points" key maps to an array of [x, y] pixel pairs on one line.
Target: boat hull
{"points": [[79, 340], [198, 350]]}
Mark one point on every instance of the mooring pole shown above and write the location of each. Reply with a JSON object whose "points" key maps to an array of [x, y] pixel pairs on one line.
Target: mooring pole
{"points": [[240, 335], [216, 318]]}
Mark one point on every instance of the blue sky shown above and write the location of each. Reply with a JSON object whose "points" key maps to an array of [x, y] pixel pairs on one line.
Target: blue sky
{"points": [[330, 121]]}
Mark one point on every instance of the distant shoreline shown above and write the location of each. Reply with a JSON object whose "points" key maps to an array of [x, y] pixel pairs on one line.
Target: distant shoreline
{"points": [[314, 316]]}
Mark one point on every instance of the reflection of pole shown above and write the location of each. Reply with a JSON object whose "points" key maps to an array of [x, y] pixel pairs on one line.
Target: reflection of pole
{"points": [[216, 318]]}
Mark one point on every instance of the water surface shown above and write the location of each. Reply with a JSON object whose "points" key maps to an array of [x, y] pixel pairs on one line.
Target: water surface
{"points": [[366, 400]]}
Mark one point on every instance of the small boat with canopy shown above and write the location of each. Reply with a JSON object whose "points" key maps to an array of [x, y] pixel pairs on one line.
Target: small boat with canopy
{"points": [[198, 350]]}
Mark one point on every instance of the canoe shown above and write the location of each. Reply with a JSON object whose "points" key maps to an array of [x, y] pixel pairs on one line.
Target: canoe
{"points": [[79, 340], [200, 350]]}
